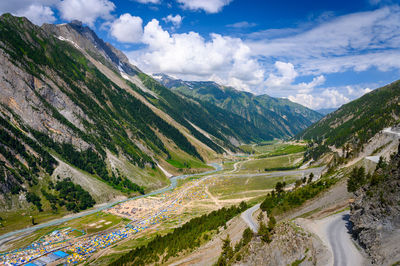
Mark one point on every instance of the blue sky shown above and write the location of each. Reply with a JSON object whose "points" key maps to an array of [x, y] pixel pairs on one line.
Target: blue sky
{"points": [[321, 54]]}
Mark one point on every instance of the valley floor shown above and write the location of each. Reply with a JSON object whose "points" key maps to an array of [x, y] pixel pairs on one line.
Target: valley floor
{"points": [[105, 235]]}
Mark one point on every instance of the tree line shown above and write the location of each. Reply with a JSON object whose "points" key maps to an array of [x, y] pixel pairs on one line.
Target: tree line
{"points": [[280, 201]]}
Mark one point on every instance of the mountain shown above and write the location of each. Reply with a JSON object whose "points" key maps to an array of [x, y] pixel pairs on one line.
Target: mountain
{"points": [[355, 123], [85, 38], [277, 116], [73, 109], [326, 111]]}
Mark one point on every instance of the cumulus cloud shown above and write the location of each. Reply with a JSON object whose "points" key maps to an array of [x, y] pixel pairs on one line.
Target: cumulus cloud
{"points": [[37, 11], [283, 79], [286, 75], [87, 11], [352, 42], [19, 5], [127, 29], [329, 98], [190, 56], [175, 20], [37, 14], [305, 87], [209, 6], [357, 92]]}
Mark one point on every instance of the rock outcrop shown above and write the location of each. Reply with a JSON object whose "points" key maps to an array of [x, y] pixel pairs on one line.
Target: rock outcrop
{"points": [[375, 214], [290, 245]]}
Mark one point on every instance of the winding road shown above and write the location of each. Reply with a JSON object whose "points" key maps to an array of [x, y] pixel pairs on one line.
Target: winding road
{"points": [[334, 231], [247, 216]]}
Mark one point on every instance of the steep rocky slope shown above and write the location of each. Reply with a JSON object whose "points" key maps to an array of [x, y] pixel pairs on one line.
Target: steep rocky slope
{"points": [[375, 214], [203, 122], [55, 104], [59, 109], [277, 116], [290, 245]]}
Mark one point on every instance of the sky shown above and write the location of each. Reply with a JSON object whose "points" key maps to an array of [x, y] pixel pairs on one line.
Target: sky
{"points": [[321, 54]]}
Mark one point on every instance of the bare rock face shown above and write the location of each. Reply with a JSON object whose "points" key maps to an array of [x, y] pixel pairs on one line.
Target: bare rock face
{"points": [[290, 244], [22, 92], [375, 214]]}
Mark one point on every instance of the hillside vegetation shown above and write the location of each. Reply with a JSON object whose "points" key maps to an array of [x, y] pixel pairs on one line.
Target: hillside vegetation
{"points": [[276, 117], [356, 122]]}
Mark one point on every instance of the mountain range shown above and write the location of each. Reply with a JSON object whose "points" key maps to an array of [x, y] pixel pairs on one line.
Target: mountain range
{"points": [[279, 117], [72, 106]]}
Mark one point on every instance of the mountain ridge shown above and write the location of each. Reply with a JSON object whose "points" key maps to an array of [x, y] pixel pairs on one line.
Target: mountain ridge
{"points": [[278, 116], [73, 107], [354, 123]]}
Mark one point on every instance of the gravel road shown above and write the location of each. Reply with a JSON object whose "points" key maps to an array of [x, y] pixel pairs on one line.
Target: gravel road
{"points": [[247, 216]]}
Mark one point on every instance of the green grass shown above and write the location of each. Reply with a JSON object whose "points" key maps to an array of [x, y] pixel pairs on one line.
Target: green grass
{"points": [[137, 242], [185, 162], [247, 148], [228, 166], [284, 150], [84, 222], [238, 187], [271, 162], [15, 220], [268, 147]]}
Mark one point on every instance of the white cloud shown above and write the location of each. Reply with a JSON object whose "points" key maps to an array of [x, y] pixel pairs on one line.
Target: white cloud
{"points": [[209, 6], [20, 5], [37, 14], [175, 20], [337, 44], [127, 29], [329, 98], [242, 24], [190, 56], [87, 11], [286, 75], [352, 42], [37, 11], [148, 1], [305, 87], [357, 92], [283, 80]]}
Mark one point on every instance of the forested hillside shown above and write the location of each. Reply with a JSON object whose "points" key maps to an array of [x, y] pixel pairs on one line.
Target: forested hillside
{"points": [[276, 117], [356, 122]]}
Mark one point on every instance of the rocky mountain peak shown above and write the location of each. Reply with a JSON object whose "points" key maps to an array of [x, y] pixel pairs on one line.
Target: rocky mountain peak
{"points": [[76, 22], [87, 39]]}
